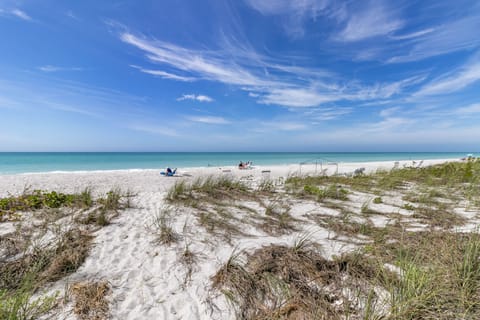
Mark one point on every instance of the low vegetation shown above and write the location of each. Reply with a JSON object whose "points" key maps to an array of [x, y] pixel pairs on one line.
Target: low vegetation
{"points": [[90, 300], [414, 265], [46, 247]]}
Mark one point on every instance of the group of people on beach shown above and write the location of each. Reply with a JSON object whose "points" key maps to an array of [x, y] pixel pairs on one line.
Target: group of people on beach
{"points": [[245, 165]]}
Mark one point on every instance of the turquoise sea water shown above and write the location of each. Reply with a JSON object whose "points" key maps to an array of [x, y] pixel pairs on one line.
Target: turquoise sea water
{"points": [[13, 162]]}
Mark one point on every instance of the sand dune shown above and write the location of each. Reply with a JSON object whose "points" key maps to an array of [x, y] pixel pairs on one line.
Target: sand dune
{"points": [[149, 280]]}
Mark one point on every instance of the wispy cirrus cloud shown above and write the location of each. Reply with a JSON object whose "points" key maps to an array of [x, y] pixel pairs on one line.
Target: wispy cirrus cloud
{"points": [[413, 35], [458, 80], [208, 66], [268, 81], [328, 113], [154, 129], [199, 97], [440, 39], [164, 74], [17, 13], [279, 125], [71, 108], [296, 97], [469, 110], [295, 13], [209, 119], [20, 14], [391, 123], [372, 21], [50, 68]]}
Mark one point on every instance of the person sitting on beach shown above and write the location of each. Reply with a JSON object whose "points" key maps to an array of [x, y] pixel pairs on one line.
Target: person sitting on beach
{"points": [[245, 165], [169, 172]]}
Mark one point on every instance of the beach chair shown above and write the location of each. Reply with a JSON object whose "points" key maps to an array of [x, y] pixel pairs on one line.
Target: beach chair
{"points": [[358, 171], [396, 165], [169, 173]]}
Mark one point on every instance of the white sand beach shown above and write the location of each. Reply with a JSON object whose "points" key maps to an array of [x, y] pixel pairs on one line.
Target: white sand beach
{"points": [[147, 279], [151, 181]]}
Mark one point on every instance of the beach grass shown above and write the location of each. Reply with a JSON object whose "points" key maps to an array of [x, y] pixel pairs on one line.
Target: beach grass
{"points": [[90, 299], [50, 242], [406, 245], [414, 266]]}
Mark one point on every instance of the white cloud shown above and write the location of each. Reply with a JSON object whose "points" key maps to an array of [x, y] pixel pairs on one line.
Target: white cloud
{"points": [[375, 20], [164, 75], [71, 15], [469, 110], [21, 14], [295, 12], [325, 114], [208, 119], [163, 131], [207, 66], [386, 90], [296, 97], [273, 82], [464, 77], [200, 98], [442, 39], [412, 35], [49, 68], [282, 126], [70, 108], [386, 113], [203, 98]]}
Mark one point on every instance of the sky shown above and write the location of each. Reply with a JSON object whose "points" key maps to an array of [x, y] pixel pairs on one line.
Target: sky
{"points": [[240, 75]]}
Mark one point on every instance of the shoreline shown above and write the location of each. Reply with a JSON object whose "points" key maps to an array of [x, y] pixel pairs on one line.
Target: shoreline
{"points": [[261, 166], [11, 164], [150, 180]]}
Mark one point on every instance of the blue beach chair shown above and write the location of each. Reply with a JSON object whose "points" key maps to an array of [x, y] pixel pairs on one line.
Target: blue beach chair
{"points": [[169, 172]]}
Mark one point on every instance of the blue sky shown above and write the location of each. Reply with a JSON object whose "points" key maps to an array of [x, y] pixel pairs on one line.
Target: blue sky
{"points": [[239, 75]]}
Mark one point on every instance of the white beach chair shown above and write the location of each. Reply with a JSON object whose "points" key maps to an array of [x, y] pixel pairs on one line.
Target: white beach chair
{"points": [[396, 165]]}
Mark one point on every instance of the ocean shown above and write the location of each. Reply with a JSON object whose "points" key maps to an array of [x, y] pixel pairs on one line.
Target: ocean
{"points": [[31, 162]]}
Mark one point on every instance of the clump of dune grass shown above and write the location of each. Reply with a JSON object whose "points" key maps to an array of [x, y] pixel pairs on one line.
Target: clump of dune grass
{"points": [[23, 275], [12, 244], [220, 222], [49, 263], [281, 282], [188, 259], [377, 200], [363, 183], [91, 300], [206, 188], [277, 219], [437, 276], [368, 210], [20, 304], [105, 208], [317, 192], [266, 186], [116, 200], [163, 229]]}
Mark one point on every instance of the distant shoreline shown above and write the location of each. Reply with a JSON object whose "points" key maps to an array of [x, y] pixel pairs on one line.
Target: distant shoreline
{"points": [[150, 180], [34, 163]]}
